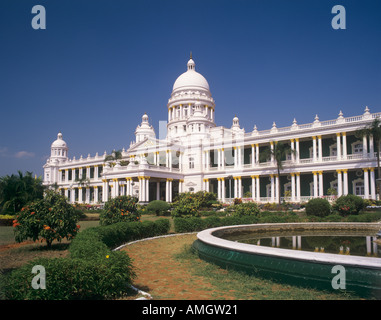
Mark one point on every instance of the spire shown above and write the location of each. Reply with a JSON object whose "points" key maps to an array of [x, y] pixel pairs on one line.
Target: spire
{"points": [[190, 55]]}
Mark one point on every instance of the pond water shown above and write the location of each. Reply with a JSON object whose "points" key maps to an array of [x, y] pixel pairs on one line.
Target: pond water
{"points": [[352, 243]]}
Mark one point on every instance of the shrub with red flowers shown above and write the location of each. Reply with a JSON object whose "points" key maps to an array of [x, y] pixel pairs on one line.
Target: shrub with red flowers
{"points": [[349, 204], [51, 218], [118, 209]]}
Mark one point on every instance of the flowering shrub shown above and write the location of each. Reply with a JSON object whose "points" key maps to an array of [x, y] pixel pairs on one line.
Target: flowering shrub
{"points": [[349, 204], [49, 219], [119, 209], [245, 209], [189, 203]]}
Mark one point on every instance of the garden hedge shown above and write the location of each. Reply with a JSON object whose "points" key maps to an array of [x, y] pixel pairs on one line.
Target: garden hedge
{"points": [[92, 270]]}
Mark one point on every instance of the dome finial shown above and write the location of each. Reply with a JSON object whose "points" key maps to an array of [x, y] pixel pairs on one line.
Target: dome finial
{"points": [[190, 55]]}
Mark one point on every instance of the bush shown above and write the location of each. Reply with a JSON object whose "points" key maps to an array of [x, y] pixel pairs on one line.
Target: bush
{"points": [[49, 219], [91, 271], [349, 204], [119, 209], [73, 279], [159, 207], [318, 207], [189, 204], [278, 217], [245, 209]]}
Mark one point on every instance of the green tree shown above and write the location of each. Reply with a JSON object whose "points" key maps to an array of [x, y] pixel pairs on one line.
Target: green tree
{"points": [[51, 218], [18, 190], [113, 157], [279, 151], [373, 130]]}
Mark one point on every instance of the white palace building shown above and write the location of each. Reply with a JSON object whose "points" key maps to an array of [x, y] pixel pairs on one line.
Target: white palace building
{"points": [[199, 155]]}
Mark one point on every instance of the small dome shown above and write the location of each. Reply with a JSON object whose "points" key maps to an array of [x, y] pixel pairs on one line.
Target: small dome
{"points": [[59, 143], [190, 79]]}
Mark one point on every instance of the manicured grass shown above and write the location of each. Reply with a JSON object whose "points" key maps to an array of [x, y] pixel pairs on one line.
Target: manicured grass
{"points": [[167, 268]]}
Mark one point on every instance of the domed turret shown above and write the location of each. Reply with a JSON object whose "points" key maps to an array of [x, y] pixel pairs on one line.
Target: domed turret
{"points": [[191, 106], [144, 130], [58, 149]]}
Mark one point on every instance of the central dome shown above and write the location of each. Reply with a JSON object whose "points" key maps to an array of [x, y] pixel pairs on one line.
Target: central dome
{"points": [[190, 80]]}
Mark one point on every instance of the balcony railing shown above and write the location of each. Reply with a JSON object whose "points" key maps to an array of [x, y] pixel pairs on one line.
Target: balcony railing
{"points": [[357, 156]]}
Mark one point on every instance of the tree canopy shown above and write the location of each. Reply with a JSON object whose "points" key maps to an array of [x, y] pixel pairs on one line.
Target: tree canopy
{"points": [[17, 190]]}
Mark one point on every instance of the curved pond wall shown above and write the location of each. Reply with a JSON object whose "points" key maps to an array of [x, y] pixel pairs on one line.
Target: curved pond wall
{"points": [[311, 269]]}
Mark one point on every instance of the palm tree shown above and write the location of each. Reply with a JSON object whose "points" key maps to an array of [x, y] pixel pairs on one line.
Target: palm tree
{"points": [[373, 130], [17, 190], [279, 151], [114, 156]]}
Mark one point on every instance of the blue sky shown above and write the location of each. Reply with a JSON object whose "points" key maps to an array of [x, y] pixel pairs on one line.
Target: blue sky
{"points": [[99, 65]]}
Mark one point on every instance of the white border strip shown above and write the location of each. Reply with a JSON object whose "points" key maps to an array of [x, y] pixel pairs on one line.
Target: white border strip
{"points": [[207, 237]]}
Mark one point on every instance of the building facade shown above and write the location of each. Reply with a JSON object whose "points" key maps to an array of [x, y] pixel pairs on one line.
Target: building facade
{"points": [[199, 155]]}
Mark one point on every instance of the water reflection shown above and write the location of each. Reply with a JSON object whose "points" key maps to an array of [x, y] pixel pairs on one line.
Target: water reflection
{"points": [[345, 244]]}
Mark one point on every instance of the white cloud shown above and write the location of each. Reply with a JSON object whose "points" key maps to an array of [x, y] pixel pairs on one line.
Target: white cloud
{"points": [[24, 154]]}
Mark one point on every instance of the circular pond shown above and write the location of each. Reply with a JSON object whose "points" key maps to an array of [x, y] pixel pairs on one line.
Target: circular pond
{"points": [[299, 253]]}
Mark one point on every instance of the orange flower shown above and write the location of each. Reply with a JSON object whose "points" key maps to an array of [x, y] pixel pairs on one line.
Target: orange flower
{"points": [[32, 213]]}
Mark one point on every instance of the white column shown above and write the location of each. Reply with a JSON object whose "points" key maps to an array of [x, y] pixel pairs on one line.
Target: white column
{"points": [[239, 187], [344, 135], [314, 149], [222, 189], [80, 194], [116, 187], [257, 153], [72, 174], [371, 147], [293, 195], [72, 195], [87, 195], [96, 172], [140, 189], [67, 175], [203, 159], [258, 188], [321, 184], [298, 187], [207, 159], [272, 188], [235, 187], [372, 184], [170, 159], [96, 194], [365, 147], [277, 195], [253, 187], [253, 159], [272, 148], [297, 150], [235, 157], [366, 184], [345, 182], [292, 149], [338, 148], [88, 172], [219, 189], [315, 184], [239, 152], [170, 190], [147, 189], [320, 147], [66, 193], [339, 183], [167, 158]]}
